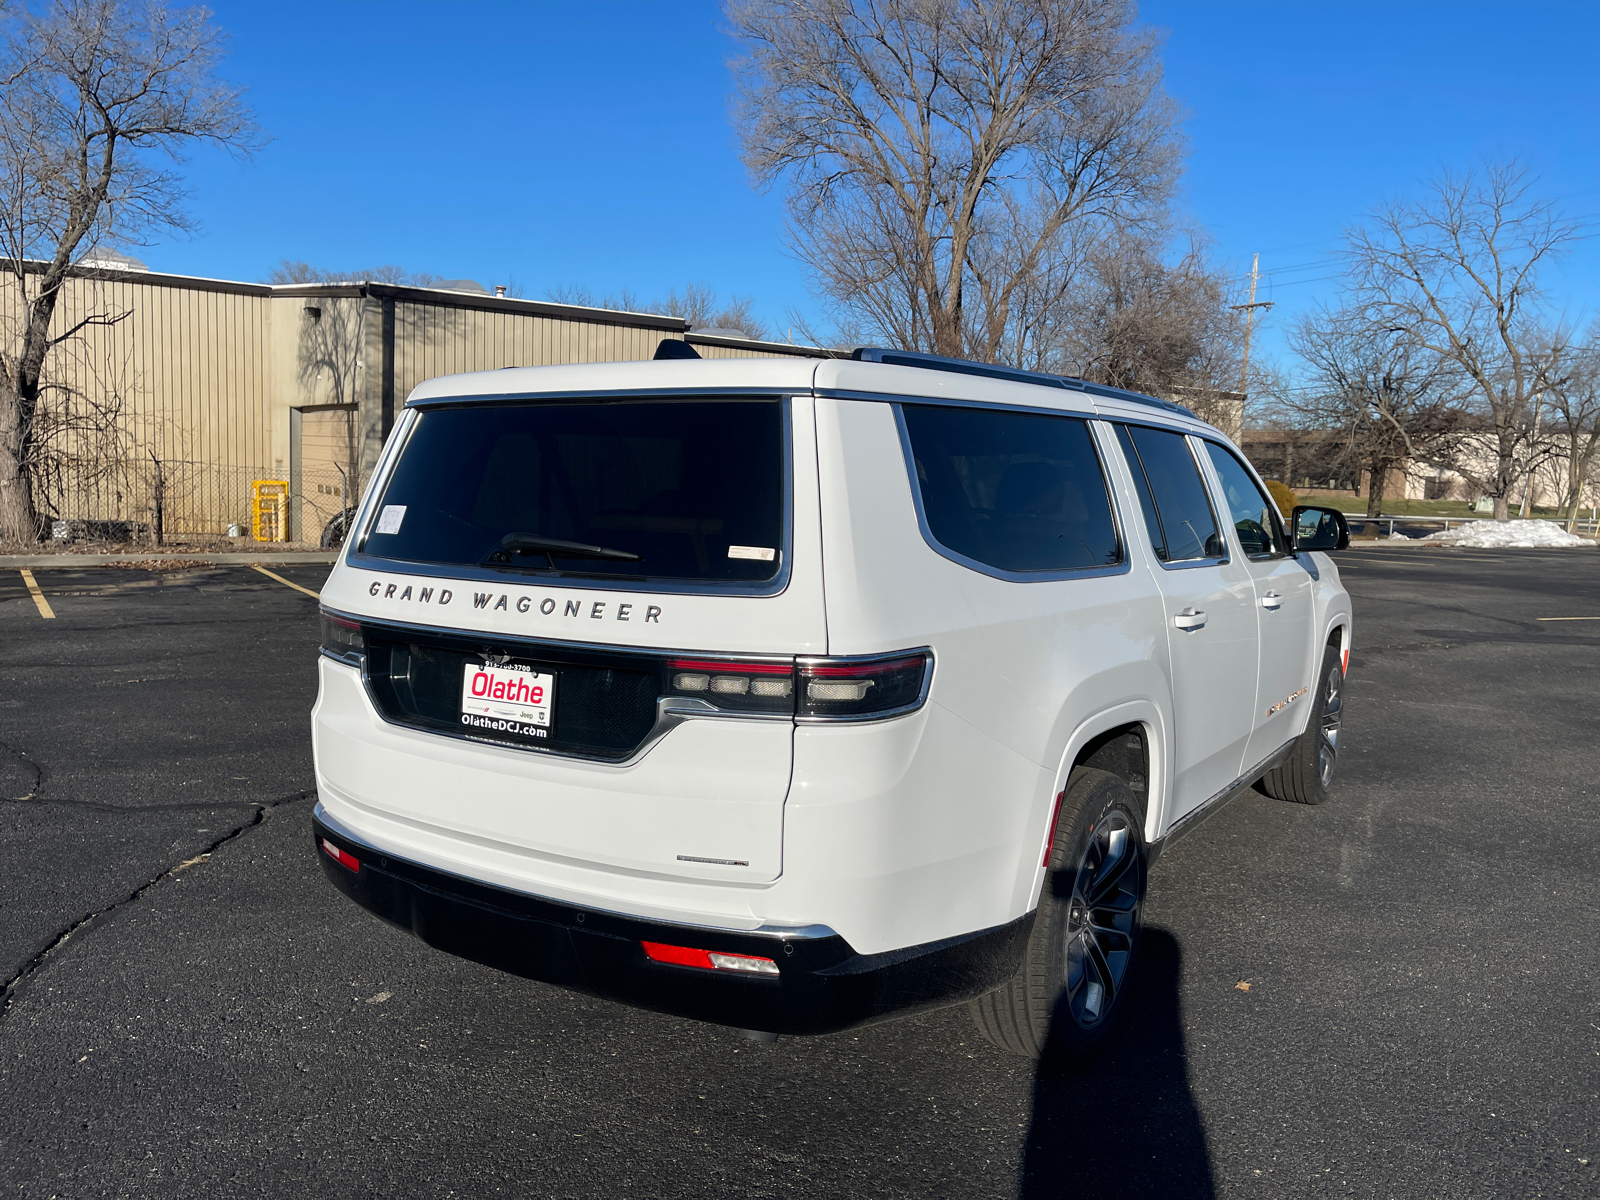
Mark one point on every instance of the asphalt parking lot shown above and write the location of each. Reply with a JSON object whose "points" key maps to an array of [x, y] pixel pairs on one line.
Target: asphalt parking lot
{"points": [[191, 1010]]}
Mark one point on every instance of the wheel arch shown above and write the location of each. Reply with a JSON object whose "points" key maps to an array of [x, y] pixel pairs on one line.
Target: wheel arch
{"points": [[1101, 741]]}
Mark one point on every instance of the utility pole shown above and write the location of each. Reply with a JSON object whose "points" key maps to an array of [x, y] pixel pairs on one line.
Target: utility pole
{"points": [[1249, 320]]}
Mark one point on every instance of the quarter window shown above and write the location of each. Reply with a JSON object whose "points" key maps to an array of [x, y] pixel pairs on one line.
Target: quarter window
{"points": [[1012, 490], [1176, 511], [1255, 517]]}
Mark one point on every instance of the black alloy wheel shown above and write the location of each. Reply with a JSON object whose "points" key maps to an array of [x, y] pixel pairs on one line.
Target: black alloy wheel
{"points": [[1102, 921], [1062, 1002], [1328, 724]]}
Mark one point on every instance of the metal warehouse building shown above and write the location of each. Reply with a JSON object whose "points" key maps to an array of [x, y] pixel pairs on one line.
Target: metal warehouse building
{"points": [[215, 384]]}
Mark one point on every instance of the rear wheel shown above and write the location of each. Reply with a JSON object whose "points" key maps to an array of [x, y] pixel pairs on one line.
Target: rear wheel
{"points": [[1061, 1003], [1305, 776]]}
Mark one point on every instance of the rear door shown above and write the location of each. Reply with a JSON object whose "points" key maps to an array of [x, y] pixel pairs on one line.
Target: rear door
{"points": [[590, 610], [1211, 625], [1284, 607]]}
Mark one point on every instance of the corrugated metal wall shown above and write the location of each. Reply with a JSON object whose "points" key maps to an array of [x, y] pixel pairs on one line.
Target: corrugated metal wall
{"points": [[432, 340], [184, 373]]}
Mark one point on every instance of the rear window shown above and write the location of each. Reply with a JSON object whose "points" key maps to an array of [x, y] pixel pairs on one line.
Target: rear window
{"points": [[1012, 490], [689, 490]]}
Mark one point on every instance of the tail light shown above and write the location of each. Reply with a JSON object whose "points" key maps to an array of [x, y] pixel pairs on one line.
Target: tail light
{"points": [[757, 688], [863, 689], [812, 689], [341, 639]]}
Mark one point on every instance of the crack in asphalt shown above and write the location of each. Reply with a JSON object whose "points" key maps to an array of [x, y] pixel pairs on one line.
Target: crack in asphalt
{"points": [[29, 765], [35, 797], [12, 987]]}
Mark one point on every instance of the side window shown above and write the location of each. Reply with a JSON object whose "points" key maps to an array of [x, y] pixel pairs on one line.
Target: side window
{"points": [[1254, 515], [1012, 490], [1172, 494]]}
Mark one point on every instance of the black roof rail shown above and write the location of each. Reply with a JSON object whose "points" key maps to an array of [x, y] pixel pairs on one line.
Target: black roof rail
{"points": [[961, 366], [966, 366], [1116, 393]]}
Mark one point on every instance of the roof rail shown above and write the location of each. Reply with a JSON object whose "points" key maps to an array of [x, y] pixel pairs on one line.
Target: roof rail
{"points": [[1116, 393], [961, 366], [966, 366]]}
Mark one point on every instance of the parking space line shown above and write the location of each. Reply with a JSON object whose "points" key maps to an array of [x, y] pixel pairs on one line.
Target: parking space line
{"points": [[1567, 618], [285, 582], [45, 610]]}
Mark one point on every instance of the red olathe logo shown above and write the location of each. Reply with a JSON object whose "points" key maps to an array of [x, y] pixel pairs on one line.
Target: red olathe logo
{"points": [[487, 687]]}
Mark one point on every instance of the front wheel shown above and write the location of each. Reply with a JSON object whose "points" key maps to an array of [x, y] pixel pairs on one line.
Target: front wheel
{"points": [[1062, 1002], [1306, 774]]}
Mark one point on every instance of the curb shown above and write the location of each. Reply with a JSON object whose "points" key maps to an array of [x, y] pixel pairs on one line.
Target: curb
{"points": [[232, 558]]}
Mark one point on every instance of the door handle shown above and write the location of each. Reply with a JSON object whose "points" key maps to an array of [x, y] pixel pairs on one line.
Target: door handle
{"points": [[1190, 618], [1272, 600]]}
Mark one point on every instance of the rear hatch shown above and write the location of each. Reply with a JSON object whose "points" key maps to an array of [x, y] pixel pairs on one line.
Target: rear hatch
{"points": [[573, 584]]}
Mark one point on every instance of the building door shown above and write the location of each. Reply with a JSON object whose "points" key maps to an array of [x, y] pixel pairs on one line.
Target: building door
{"points": [[325, 475]]}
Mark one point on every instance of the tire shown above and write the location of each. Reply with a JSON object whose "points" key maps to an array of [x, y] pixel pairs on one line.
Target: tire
{"points": [[333, 533], [1051, 1009], [1305, 776]]}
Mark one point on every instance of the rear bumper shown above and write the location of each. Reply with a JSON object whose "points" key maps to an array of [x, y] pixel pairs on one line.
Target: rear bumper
{"points": [[823, 985]]}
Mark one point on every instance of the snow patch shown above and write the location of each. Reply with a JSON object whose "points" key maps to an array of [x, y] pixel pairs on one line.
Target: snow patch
{"points": [[1496, 535]]}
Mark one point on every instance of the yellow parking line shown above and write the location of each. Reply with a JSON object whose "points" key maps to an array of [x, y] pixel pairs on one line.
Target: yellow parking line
{"points": [[45, 610], [285, 582], [1567, 618]]}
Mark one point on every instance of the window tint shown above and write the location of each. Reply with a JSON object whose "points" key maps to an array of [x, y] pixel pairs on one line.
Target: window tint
{"points": [[694, 489], [1254, 515], [1012, 490], [1172, 494]]}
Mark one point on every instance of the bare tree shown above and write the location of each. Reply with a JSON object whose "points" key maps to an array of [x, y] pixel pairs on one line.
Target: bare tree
{"points": [[101, 99], [290, 271], [1457, 273], [1137, 319], [1390, 401], [697, 304], [1575, 424], [945, 156]]}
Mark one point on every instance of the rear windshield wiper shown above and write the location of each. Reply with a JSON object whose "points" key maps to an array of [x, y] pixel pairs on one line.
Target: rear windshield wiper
{"points": [[532, 543]]}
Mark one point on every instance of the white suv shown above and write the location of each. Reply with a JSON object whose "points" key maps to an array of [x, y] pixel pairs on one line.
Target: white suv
{"points": [[793, 694]]}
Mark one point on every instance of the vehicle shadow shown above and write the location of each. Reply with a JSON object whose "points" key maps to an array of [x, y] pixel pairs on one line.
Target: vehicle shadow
{"points": [[1125, 1125]]}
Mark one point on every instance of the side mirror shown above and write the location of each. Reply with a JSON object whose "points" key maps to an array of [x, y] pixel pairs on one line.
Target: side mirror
{"points": [[1312, 528]]}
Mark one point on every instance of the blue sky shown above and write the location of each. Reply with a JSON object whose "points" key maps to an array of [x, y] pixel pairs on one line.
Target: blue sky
{"points": [[588, 144]]}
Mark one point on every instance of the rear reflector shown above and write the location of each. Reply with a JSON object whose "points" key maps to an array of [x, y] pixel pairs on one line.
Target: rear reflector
{"points": [[706, 960], [339, 856]]}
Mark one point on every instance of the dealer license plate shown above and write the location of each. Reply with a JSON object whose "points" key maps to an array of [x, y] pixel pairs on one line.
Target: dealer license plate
{"points": [[509, 699]]}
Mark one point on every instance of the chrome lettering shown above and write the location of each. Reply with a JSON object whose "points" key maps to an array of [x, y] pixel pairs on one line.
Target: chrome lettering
{"points": [[653, 613], [481, 599], [623, 610], [524, 604], [547, 606]]}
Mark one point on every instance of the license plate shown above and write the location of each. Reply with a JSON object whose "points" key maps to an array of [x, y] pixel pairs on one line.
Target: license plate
{"points": [[508, 699]]}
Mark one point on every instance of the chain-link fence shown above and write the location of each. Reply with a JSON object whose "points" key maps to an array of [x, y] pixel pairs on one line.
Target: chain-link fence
{"points": [[129, 500]]}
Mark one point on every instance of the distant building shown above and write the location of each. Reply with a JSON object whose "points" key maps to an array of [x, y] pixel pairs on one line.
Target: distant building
{"points": [[219, 383]]}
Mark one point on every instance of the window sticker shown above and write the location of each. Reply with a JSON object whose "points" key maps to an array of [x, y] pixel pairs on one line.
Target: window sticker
{"points": [[759, 553], [391, 516]]}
